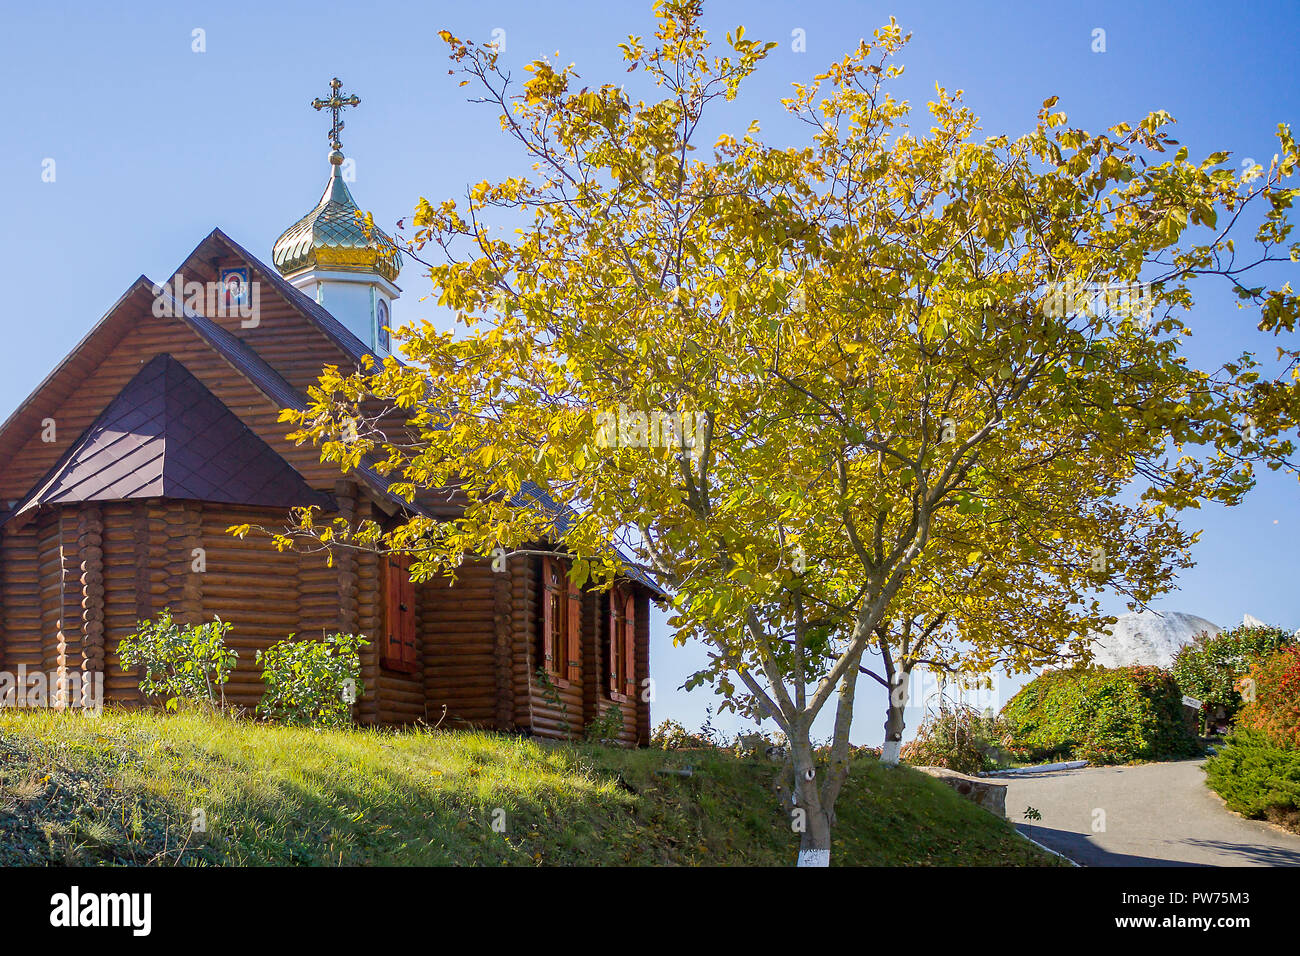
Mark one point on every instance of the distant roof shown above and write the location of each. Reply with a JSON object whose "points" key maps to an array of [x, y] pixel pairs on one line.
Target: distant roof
{"points": [[166, 436]]}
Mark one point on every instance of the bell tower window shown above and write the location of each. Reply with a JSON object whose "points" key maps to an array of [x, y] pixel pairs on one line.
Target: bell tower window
{"points": [[382, 337]]}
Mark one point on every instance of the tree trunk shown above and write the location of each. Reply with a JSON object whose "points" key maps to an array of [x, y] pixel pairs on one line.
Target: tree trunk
{"points": [[894, 726], [815, 835], [815, 842]]}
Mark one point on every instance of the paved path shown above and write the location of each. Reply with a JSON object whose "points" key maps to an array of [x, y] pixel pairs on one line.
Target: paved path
{"points": [[1159, 814]]}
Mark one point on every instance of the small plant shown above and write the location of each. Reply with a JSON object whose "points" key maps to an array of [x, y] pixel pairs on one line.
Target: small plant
{"points": [[551, 694], [607, 727], [958, 738], [673, 735], [710, 733], [670, 735], [180, 661], [1032, 814], [310, 682]]}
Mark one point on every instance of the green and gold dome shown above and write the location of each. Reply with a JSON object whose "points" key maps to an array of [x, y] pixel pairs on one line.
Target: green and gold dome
{"points": [[333, 255], [334, 238]]}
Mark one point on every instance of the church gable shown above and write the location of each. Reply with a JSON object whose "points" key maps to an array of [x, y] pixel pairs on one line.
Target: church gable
{"points": [[63, 407], [145, 322], [27, 420], [286, 328], [166, 435]]}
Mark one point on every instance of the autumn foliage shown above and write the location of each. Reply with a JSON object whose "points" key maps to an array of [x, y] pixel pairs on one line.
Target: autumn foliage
{"points": [[1275, 710]]}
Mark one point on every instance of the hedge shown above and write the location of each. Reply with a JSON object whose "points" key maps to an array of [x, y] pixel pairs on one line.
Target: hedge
{"points": [[1105, 716], [959, 739], [1257, 778]]}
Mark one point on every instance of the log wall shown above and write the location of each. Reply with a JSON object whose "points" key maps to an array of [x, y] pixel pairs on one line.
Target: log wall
{"points": [[458, 628]]}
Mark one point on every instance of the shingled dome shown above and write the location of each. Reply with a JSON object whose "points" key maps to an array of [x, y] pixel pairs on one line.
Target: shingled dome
{"points": [[166, 436], [332, 237]]}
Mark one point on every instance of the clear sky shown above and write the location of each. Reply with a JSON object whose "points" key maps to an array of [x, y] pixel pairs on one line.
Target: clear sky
{"points": [[154, 144]]}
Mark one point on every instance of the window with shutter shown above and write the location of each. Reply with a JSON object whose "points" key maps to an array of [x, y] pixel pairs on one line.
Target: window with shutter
{"points": [[573, 630], [629, 646], [397, 646], [554, 616], [614, 640]]}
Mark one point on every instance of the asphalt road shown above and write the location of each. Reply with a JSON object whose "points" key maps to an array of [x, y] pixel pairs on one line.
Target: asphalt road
{"points": [[1159, 814]]}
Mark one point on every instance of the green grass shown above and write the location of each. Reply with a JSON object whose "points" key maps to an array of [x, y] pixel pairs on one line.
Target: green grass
{"points": [[121, 789]]}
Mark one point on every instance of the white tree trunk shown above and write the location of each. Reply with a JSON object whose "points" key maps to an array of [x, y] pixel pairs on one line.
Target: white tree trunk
{"points": [[889, 752], [894, 724], [814, 858]]}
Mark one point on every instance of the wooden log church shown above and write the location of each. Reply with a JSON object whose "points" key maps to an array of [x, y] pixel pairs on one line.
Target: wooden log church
{"points": [[121, 473]]}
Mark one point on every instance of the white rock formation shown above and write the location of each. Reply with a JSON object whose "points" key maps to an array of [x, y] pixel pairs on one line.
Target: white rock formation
{"points": [[1148, 637], [1250, 620]]}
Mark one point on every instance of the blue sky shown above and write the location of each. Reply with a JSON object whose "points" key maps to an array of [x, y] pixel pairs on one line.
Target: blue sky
{"points": [[155, 144]]}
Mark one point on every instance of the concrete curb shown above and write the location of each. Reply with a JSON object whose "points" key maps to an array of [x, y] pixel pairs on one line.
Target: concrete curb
{"points": [[1041, 847]]}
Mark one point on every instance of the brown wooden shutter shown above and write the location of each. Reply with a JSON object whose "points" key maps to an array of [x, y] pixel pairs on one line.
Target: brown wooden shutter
{"points": [[406, 612], [397, 643], [615, 637], [389, 651], [629, 646], [548, 614], [573, 633]]}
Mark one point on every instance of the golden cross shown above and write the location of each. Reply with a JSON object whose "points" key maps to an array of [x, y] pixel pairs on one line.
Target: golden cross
{"points": [[336, 102]]}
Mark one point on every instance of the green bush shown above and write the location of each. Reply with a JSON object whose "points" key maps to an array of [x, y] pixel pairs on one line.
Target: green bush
{"points": [[606, 728], [310, 682], [1105, 716], [959, 739], [1272, 695], [1211, 668], [180, 661], [673, 735], [1257, 778]]}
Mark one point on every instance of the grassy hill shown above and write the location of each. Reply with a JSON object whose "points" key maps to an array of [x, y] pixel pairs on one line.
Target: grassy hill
{"points": [[122, 789]]}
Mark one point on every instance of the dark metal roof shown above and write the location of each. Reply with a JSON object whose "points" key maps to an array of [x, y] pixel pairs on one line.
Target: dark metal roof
{"points": [[166, 436], [562, 516]]}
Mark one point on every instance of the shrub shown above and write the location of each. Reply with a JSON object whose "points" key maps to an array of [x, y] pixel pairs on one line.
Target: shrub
{"points": [[1272, 695], [1257, 778], [607, 727], [1211, 668], [180, 661], [310, 682], [672, 735], [1100, 715], [960, 739]]}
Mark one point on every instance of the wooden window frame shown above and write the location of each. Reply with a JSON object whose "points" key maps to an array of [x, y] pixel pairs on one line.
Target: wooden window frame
{"points": [[397, 645], [629, 645], [561, 643], [620, 645]]}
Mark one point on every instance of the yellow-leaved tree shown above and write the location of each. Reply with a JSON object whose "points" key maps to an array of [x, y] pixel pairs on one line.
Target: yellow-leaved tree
{"points": [[819, 389]]}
